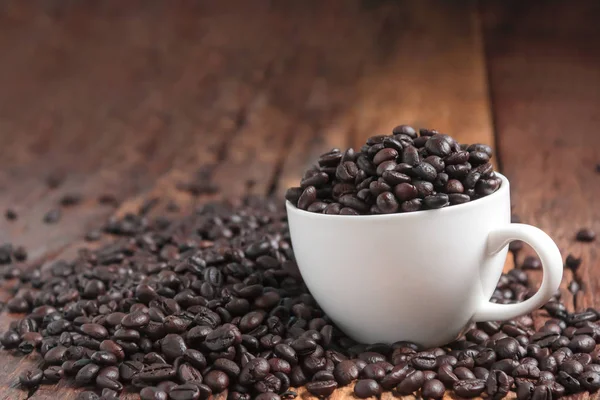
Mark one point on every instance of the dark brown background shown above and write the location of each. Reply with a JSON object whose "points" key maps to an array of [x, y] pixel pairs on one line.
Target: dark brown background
{"points": [[131, 98]]}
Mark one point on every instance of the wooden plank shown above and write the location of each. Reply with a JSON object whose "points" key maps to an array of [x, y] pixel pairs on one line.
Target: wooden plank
{"points": [[544, 65]]}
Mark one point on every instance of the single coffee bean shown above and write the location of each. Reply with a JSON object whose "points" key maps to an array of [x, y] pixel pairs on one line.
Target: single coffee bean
{"points": [[153, 393], [469, 388], [308, 196], [585, 235], [410, 156], [187, 391], [463, 373], [433, 389], [438, 200], [411, 383], [425, 171], [386, 154], [365, 388], [321, 388], [573, 262], [31, 378], [387, 203], [439, 146]]}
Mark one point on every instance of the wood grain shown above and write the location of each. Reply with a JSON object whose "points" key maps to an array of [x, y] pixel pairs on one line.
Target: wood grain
{"points": [[544, 92]]}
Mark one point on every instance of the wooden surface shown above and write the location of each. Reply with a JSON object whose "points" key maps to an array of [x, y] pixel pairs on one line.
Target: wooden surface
{"points": [[133, 98]]}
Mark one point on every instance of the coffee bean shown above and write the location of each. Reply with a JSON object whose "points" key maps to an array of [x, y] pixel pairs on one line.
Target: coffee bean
{"points": [[10, 214], [387, 203], [87, 395], [321, 388], [433, 389], [463, 373], [410, 156], [31, 378], [373, 371], [345, 372], [365, 388], [87, 374], [308, 196], [155, 373], [439, 146], [411, 383], [386, 154], [52, 216], [569, 382], [425, 171], [186, 391], [438, 200], [469, 388], [585, 235], [152, 393]]}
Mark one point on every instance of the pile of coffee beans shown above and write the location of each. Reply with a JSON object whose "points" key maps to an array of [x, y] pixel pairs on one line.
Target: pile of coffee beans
{"points": [[401, 172], [182, 308]]}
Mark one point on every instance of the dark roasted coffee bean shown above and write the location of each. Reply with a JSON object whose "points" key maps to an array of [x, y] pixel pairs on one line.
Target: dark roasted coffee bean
{"points": [[394, 377], [156, 373], [406, 130], [321, 388], [153, 393], [365, 388], [411, 383], [434, 201], [379, 186], [573, 262], [433, 389], [52, 216], [469, 388], [308, 196], [569, 382], [54, 373], [387, 203], [87, 395], [590, 380], [31, 378], [542, 392], [463, 373], [582, 344], [386, 154], [87, 374], [439, 146], [405, 192], [585, 235], [187, 391], [345, 372], [410, 156], [525, 390], [425, 171], [373, 371]]}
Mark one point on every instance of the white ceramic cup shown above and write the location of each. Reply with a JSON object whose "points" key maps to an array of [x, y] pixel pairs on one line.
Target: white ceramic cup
{"points": [[419, 276]]}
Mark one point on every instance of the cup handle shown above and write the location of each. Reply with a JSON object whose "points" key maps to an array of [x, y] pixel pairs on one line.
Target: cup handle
{"points": [[551, 263]]}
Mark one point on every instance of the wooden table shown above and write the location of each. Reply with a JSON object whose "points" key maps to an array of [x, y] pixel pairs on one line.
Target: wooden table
{"points": [[132, 98]]}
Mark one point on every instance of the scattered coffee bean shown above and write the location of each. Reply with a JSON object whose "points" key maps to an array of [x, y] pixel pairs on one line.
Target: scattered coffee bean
{"points": [[10, 214], [220, 305], [31, 378], [52, 216], [433, 389], [365, 388], [586, 235]]}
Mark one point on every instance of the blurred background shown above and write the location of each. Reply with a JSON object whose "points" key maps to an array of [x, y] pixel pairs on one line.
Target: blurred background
{"points": [[130, 101]]}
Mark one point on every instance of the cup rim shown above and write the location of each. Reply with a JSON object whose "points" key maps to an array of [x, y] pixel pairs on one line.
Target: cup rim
{"points": [[504, 187]]}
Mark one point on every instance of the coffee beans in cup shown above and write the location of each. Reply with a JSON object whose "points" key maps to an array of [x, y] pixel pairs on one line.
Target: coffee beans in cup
{"points": [[402, 172]]}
